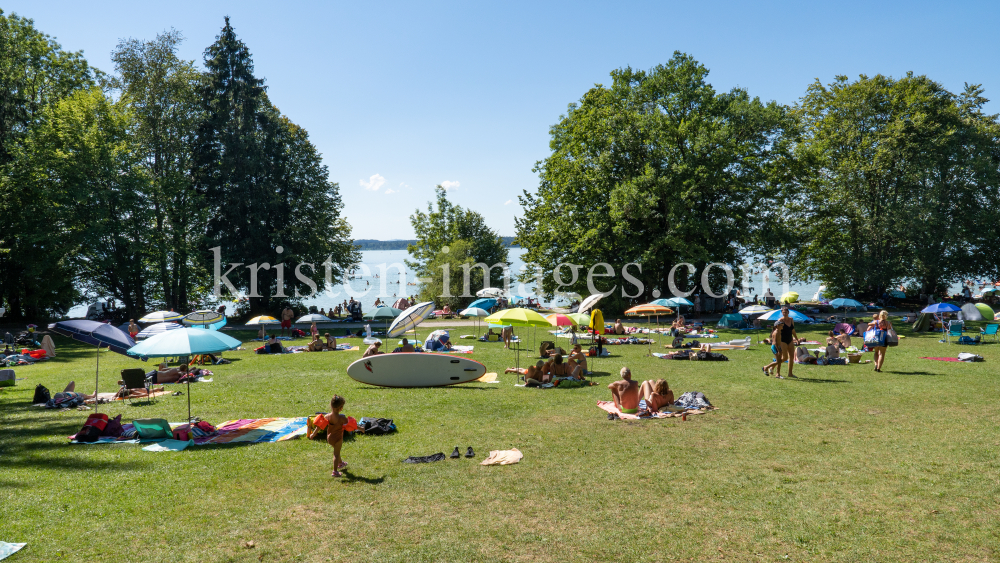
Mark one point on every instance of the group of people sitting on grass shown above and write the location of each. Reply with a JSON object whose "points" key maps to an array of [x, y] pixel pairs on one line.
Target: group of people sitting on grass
{"points": [[559, 365], [627, 393], [375, 348]]}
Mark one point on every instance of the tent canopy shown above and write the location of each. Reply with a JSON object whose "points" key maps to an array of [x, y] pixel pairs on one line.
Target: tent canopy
{"points": [[731, 320], [971, 313]]}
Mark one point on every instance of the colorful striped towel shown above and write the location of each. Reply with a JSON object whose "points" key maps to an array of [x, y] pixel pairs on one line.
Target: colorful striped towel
{"points": [[256, 430]]}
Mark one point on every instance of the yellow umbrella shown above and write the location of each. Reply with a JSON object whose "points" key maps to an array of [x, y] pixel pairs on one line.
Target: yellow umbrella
{"points": [[518, 317]]}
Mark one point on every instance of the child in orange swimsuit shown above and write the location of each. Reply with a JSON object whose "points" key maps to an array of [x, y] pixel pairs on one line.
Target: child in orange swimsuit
{"points": [[333, 423]]}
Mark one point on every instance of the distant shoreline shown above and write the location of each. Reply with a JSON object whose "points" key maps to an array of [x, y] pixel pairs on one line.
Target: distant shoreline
{"points": [[372, 244]]}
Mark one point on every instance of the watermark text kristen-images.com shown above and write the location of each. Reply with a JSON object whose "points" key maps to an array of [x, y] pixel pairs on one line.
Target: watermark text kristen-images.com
{"points": [[565, 275]]}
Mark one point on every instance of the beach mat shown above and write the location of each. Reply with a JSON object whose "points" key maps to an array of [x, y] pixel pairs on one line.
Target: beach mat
{"points": [[111, 396], [942, 359], [487, 378], [256, 430], [609, 406]]}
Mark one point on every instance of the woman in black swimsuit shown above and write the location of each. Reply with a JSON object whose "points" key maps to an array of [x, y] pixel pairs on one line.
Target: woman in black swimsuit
{"points": [[786, 342]]}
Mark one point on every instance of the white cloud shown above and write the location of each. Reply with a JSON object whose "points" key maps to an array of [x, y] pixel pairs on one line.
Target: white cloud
{"points": [[449, 185], [508, 202], [404, 185], [373, 183], [389, 191]]}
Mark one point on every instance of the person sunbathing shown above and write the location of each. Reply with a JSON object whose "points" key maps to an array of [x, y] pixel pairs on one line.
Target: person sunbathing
{"points": [[619, 327], [168, 375], [832, 348], [373, 350], [533, 375], [274, 345], [580, 358], [316, 345], [625, 393], [405, 346], [331, 341], [802, 356], [556, 368], [657, 394]]}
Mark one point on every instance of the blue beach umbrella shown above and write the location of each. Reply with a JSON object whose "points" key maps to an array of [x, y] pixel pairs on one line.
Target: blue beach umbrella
{"points": [[485, 303], [940, 308], [843, 303], [184, 342], [96, 334]]}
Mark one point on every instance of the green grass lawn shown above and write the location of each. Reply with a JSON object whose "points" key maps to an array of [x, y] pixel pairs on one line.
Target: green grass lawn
{"points": [[842, 465]]}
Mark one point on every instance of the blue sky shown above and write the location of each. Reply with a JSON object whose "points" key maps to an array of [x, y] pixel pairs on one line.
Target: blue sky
{"points": [[399, 97]]}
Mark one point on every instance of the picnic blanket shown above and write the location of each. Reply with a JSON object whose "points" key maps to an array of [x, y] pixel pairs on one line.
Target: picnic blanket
{"points": [[459, 350], [8, 549], [112, 396], [942, 359], [609, 406], [256, 430]]}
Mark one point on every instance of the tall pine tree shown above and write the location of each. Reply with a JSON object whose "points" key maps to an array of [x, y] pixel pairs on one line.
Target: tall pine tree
{"points": [[264, 183]]}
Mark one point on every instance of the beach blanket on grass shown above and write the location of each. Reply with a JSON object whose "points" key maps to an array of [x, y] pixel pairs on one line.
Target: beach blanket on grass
{"points": [[168, 446], [948, 360], [609, 406], [111, 396], [256, 430], [8, 549], [459, 350]]}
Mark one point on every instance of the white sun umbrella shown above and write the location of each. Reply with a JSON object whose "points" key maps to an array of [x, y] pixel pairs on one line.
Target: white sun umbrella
{"points": [[314, 318], [158, 328], [161, 316], [589, 302], [410, 318], [755, 310], [475, 312]]}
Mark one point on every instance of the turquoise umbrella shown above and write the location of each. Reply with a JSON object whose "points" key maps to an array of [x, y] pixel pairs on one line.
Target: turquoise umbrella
{"points": [[184, 342]]}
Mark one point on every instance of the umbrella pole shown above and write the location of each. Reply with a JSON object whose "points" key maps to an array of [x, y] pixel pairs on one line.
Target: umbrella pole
{"points": [[189, 400], [97, 374]]}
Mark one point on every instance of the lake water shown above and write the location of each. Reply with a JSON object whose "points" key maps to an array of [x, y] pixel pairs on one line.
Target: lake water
{"points": [[395, 280]]}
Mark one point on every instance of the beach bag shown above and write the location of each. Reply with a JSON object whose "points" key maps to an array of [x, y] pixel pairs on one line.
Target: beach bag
{"points": [[97, 420], [891, 338], [592, 351], [152, 428], [376, 426], [875, 337], [966, 340], [113, 427], [967, 357], [42, 395]]}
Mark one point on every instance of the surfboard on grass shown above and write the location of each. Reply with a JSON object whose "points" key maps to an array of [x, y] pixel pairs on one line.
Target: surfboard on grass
{"points": [[419, 369]]}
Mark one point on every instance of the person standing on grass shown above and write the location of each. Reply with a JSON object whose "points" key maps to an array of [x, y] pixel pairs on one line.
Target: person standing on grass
{"points": [[286, 320], [133, 329], [334, 427], [880, 322], [773, 341], [786, 342]]}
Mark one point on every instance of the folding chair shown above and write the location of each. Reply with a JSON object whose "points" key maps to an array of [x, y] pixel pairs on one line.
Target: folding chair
{"points": [[135, 378], [990, 330]]}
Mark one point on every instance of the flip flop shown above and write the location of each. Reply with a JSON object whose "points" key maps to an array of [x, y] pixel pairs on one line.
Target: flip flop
{"points": [[336, 474], [343, 465]]}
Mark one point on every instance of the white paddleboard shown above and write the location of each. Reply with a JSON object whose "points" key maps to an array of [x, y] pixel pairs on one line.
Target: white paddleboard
{"points": [[416, 369]]}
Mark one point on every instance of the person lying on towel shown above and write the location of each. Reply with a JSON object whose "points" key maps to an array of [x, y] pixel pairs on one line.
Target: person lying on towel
{"points": [[533, 375], [625, 393], [168, 375], [404, 346]]}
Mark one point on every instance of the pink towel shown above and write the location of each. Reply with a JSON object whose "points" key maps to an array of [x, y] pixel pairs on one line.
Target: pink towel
{"points": [[611, 408], [943, 359]]}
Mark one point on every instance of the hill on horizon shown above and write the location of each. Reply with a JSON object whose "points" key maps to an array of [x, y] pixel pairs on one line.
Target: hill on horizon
{"points": [[400, 244]]}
